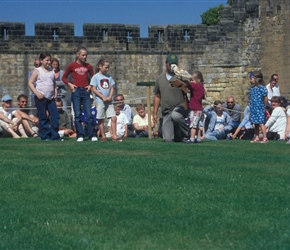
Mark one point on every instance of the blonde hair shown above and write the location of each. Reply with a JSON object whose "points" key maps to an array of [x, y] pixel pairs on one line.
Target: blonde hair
{"points": [[101, 62], [140, 106], [198, 75], [78, 51]]}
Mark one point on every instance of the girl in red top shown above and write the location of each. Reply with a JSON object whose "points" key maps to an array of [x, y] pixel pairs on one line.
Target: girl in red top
{"points": [[80, 71], [197, 93]]}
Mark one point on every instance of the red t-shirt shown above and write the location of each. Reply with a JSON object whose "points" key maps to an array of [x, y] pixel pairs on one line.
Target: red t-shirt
{"points": [[197, 93], [80, 74]]}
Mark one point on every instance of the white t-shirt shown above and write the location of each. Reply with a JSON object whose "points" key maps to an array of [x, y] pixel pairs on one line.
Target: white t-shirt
{"points": [[8, 113], [103, 84], [141, 121], [220, 121], [122, 120], [277, 122], [275, 91]]}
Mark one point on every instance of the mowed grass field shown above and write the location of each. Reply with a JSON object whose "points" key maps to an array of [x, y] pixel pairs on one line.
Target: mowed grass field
{"points": [[144, 194]]}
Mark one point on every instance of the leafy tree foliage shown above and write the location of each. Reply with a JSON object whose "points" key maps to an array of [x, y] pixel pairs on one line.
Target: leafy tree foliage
{"points": [[212, 16]]}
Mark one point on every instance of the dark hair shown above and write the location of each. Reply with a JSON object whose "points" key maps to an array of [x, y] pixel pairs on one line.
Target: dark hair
{"points": [[43, 55], [22, 96], [58, 100], [101, 62], [118, 96], [217, 103], [259, 78], [276, 99], [272, 76]]}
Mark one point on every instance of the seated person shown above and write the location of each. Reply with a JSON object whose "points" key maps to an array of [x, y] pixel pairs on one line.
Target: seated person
{"points": [[201, 132], [245, 130], [64, 121], [29, 121], [220, 123], [270, 88], [234, 111], [126, 109], [276, 124], [122, 124], [94, 114], [9, 112], [287, 130], [140, 122]]}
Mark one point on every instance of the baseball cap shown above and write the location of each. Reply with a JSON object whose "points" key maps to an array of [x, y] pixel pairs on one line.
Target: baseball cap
{"points": [[6, 98], [172, 59]]}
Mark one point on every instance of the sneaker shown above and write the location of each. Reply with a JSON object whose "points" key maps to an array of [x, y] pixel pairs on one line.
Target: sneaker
{"points": [[80, 139], [47, 139], [119, 140], [59, 139], [94, 138], [188, 141], [265, 140], [198, 140], [288, 142]]}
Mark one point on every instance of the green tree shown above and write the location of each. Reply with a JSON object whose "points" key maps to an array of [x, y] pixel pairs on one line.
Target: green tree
{"points": [[212, 16], [230, 2]]}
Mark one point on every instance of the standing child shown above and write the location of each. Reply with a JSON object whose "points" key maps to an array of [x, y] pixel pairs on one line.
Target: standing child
{"points": [[197, 93], [80, 71], [103, 87], [45, 92], [258, 102]]}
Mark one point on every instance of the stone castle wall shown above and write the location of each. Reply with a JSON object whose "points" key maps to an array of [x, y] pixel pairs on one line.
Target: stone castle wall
{"points": [[224, 53], [275, 41]]}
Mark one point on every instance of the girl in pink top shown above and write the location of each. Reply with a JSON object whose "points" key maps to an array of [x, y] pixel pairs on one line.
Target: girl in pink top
{"points": [[45, 92]]}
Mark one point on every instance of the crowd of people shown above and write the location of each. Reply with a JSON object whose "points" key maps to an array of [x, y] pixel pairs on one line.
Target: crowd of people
{"points": [[180, 100]]}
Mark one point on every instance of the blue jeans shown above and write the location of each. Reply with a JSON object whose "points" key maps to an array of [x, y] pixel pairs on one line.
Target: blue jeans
{"points": [[48, 125], [82, 97], [141, 133], [215, 135]]}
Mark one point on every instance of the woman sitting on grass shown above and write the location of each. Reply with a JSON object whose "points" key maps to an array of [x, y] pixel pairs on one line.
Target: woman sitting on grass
{"points": [[140, 121], [276, 124]]}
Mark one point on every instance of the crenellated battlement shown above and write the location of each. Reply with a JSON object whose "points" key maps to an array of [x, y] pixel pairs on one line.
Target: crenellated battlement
{"points": [[120, 37]]}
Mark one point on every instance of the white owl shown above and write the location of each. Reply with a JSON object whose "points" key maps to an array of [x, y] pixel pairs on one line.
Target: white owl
{"points": [[180, 72]]}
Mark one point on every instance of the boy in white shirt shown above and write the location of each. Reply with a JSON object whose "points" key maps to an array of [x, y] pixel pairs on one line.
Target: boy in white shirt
{"points": [[122, 124]]}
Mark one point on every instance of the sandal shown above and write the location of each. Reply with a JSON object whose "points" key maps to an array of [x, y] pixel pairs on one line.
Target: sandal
{"points": [[265, 140], [35, 135], [255, 140]]}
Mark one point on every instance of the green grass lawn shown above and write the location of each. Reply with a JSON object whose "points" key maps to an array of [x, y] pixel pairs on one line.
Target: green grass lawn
{"points": [[144, 194]]}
